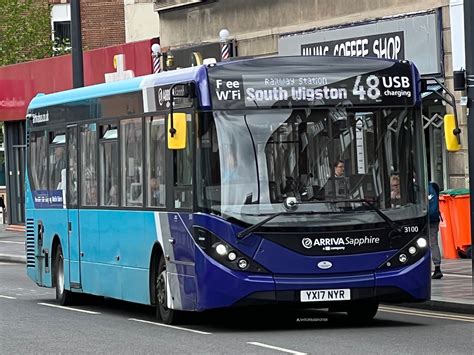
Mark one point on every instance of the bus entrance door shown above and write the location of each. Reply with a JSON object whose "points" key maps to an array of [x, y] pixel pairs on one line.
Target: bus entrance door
{"points": [[73, 212]]}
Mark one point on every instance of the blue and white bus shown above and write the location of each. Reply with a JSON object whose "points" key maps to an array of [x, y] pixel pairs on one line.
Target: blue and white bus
{"points": [[259, 181]]}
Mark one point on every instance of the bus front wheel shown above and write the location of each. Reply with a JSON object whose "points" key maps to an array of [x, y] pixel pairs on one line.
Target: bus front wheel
{"points": [[363, 312], [63, 296], [163, 313]]}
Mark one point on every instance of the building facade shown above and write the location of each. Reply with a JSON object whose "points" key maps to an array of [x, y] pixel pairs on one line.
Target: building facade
{"points": [[21, 82], [419, 31], [141, 21], [104, 23], [107, 22]]}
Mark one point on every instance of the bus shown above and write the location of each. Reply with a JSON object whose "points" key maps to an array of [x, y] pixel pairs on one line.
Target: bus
{"points": [[250, 182]]}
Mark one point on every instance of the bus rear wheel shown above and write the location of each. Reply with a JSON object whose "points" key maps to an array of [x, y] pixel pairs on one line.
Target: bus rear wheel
{"points": [[163, 313], [63, 296], [363, 312]]}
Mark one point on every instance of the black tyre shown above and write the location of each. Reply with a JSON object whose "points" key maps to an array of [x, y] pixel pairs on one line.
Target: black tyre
{"points": [[163, 313], [363, 312], [63, 296]]}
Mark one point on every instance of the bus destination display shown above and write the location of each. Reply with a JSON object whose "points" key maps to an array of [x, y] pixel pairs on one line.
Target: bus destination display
{"points": [[392, 86]]}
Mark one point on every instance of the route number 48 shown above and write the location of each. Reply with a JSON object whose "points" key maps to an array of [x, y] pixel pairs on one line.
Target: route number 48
{"points": [[371, 90]]}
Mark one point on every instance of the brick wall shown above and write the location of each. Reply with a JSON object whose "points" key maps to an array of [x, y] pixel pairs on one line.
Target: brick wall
{"points": [[103, 23]]}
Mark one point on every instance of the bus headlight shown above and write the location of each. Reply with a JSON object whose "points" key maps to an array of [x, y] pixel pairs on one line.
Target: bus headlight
{"points": [[421, 242], [409, 254], [221, 249], [224, 253]]}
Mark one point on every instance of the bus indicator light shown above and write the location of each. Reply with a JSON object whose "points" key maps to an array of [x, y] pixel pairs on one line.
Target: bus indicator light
{"points": [[403, 258], [243, 264]]}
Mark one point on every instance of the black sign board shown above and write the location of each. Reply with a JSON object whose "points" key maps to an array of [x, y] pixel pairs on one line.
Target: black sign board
{"points": [[340, 242], [385, 45], [310, 81], [182, 96]]}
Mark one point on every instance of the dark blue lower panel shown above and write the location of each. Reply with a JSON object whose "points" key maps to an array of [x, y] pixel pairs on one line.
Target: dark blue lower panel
{"points": [[414, 279], [305, 282], [220, 287]]}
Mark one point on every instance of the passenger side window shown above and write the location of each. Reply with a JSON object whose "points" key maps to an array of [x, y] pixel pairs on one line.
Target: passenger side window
{"points": [[57, 161], [89, 165], [155, 161], [72, 166], [38, 161], [132, 162], [109, 165], [183, 166]]}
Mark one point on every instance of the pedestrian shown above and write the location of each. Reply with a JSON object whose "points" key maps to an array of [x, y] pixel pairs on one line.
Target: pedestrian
{"points": [[434, 218], [2, 207]]}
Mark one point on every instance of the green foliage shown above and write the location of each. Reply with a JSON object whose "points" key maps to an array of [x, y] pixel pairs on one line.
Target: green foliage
{"points": [[25, 31], [61, 47]]}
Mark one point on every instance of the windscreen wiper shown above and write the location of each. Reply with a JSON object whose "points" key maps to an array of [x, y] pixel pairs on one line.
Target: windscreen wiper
{"points": [[377, 210], [247, 231]]}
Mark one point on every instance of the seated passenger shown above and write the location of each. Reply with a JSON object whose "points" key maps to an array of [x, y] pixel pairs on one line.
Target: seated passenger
{"points": [[154, 192], [113, 196], [395, 191]]}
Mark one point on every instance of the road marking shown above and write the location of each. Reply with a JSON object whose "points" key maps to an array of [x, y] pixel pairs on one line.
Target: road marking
{"points": [[8, 297], [170, 326], [68, 308], [427, 314], [458, 275], [11, 242], [275, 348]]}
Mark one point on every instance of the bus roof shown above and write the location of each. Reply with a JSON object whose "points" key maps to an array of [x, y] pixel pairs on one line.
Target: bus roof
{"points": [[196, 74]]}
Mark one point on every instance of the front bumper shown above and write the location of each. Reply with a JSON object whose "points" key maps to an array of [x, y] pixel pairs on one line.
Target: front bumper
{"points": [[220, 287]]}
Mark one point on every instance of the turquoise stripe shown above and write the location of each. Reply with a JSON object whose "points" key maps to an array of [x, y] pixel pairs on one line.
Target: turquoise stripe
{"points": [[88, 92]]}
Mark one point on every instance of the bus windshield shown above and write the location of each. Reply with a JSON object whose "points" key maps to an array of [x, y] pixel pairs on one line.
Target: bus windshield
{"points": [[251, 161]]}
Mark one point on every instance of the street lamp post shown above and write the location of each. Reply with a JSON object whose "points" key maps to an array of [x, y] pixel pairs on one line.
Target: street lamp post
{"points": [[156, 55], [469, 41], [76, 45]]}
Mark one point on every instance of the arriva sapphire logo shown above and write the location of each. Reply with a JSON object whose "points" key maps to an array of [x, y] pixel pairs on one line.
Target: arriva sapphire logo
{"points": [[339, 243], [325, 265], [307, 243]]}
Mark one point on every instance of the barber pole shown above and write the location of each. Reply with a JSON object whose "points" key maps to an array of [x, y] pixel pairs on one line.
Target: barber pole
{"points": [[156, 56], [156, 63], [225, 51], [226, 46]]}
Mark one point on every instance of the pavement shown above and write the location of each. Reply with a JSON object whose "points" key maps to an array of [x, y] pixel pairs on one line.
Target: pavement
{"points": [[452, 293]]}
